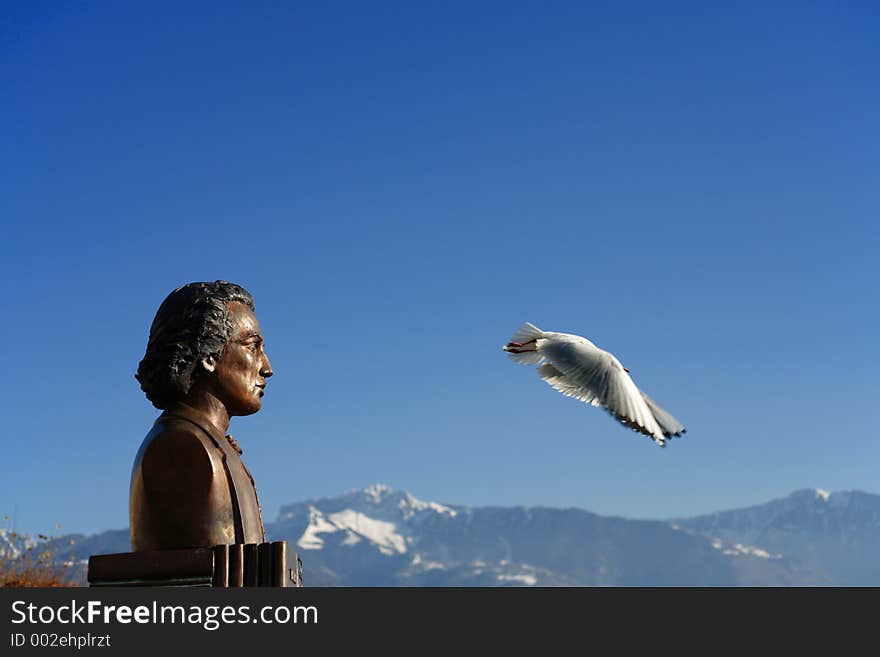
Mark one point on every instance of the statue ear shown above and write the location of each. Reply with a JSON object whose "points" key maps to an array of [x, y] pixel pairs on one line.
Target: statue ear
{"points": [[209, 363]]}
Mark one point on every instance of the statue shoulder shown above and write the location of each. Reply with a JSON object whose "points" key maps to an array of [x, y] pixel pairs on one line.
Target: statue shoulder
{"points": [[179, 496], [178, 447]]}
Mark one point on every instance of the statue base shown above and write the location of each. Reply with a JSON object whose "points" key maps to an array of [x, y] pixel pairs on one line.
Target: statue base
{"points": [[248, 564]]}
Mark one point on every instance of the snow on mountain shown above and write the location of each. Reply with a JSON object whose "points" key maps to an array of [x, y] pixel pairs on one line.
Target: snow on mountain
{"points": [[377, 515], [521, 580], [356, 525], [739, 548], [311, 540]]}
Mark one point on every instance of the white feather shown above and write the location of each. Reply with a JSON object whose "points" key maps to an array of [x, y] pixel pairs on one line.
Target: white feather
{"points": [[527, 334]]}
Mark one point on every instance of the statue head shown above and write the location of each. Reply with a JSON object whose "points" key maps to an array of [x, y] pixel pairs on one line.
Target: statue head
{"points": [[205, 336]]}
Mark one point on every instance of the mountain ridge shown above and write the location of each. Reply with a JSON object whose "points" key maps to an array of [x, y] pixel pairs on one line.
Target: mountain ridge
{"points": [[380, 536]]}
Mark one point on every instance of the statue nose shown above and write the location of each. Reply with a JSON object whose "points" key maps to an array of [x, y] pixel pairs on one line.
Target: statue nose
{"points": [[266, 369]]}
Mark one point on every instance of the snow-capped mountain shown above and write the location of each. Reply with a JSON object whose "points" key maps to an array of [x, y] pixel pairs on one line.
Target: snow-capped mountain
{"points": [[836, 534], [378, 536], [377, 514]]}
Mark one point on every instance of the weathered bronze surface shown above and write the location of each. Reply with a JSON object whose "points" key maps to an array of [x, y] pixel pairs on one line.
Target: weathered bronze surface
{"points": [[266, 564], [205, 363]]}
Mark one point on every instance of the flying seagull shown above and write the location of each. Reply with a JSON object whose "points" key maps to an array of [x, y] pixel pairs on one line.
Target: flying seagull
{"points": [[578, 368]]}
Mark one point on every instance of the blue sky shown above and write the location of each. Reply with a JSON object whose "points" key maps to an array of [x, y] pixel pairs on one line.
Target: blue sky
{"points": [[400, 186]]}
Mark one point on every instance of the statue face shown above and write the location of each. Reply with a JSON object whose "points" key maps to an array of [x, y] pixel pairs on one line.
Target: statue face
{"points": [[240, 374]]}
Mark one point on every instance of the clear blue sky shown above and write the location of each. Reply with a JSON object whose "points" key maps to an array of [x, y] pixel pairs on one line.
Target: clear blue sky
{"points": [[401, 185]]}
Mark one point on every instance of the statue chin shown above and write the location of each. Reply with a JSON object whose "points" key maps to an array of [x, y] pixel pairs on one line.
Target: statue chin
{"points": [[247, 410]]}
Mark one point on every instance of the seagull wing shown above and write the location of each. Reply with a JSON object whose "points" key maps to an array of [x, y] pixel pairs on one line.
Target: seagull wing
{"points": [[671, 426], [566, 386], [597, 377]]}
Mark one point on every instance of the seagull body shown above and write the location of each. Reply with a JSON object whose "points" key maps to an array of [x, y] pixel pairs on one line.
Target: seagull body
{"points": [[578, 368]]}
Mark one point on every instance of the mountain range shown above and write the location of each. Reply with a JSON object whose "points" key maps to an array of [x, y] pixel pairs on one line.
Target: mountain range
{"points": [[378, 536]]}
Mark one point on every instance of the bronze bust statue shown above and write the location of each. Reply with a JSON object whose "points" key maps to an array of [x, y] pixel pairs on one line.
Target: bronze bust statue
{"points": [[205, 363]]}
